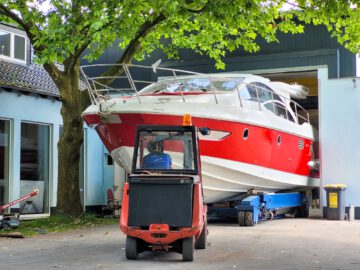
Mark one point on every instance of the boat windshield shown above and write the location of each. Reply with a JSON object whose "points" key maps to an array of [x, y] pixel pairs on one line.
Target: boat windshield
{"points": [[193, 84]]}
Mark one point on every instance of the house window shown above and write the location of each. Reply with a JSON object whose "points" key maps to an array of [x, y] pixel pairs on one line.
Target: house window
{"points": [[4, 160], [5, 43], [12, 46], [19, 47], [34, 167]]}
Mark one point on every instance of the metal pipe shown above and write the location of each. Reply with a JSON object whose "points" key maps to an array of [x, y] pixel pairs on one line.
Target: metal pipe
{"points": [[131, 81], [87, 83], [31, 194], [238, 91], [177, 81], [257, 96], [213, 88]]}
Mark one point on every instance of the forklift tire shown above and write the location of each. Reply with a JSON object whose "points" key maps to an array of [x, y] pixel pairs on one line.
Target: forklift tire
{"points": [[188, 249], [131, 248], [249, 219], [241, 218], [201, 242]]}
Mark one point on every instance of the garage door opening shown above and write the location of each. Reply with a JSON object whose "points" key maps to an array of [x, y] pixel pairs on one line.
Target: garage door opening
{"points": [[311, 105]]}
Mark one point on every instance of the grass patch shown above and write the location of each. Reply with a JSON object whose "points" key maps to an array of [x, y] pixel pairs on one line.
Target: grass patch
{"points": [[60, 223]]}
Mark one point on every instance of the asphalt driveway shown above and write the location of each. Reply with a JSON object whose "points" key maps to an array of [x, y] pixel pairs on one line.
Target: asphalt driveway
{"points": [[279, 244]]}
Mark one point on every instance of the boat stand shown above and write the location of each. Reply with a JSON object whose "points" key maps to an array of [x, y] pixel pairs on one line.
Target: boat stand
{"points": [[254, 208]]}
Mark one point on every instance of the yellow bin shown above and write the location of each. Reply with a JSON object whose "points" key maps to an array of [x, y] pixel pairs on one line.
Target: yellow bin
{"points": [[335, 198]]}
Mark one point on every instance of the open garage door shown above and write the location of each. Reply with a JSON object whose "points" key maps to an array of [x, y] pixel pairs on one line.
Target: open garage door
{"points": [[311, 105]]}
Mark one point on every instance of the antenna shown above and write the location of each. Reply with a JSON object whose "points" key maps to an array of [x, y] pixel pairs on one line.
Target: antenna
{"points": [[155, 65]]}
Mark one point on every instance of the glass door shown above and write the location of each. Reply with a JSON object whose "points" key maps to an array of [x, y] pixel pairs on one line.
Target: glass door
{"points": [[34, 167], [4, 160]]}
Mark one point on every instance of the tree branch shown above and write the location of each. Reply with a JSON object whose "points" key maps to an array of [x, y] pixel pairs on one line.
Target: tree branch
{"points": [[133, 47], [197, 11], [26, 26]]}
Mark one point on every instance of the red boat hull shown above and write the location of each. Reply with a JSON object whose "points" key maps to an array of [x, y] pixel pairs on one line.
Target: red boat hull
{"points": [[263, 146]]}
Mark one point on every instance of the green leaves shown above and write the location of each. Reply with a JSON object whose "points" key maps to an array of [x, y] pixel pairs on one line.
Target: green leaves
{"points": [[66, 28]]}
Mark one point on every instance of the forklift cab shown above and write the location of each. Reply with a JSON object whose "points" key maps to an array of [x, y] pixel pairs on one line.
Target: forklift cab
{"points": [[166, 150], [164, 172]]}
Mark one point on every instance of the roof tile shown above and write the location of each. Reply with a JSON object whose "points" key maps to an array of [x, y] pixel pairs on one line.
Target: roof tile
{"points": [[32, 78]]}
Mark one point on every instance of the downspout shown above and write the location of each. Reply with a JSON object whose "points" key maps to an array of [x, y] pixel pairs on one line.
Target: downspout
{"points": [[337, 63]]}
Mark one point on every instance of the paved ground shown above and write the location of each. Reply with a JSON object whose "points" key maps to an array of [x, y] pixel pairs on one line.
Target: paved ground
{"points": [[279, 244]]}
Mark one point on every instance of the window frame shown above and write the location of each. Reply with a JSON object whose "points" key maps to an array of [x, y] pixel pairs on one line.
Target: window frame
{"points": [[12, 47], [7, 164], [276, 105]]}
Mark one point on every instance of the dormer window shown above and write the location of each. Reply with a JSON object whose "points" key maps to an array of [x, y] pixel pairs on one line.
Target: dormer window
{"points": [[12, 46]]}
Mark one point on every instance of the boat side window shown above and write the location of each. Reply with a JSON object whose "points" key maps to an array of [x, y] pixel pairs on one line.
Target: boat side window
{"points": [[279, 109], [283, 112], [266, 93], [248, 92], [290, 117], [271, 107]]}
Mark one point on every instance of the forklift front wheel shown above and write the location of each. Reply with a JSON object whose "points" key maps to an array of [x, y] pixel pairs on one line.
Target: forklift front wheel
{"points": [[201, 242], [131, 248], [188, 249]]}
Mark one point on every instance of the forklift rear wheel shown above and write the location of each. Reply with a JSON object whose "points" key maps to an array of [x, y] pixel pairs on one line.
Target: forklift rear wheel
{"points": [[188, 249], [241, 218], [201, 242], [249, 219], [131, 248]]}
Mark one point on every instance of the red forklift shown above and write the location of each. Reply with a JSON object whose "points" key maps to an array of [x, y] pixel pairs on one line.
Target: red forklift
{"points": [[163, 206]]}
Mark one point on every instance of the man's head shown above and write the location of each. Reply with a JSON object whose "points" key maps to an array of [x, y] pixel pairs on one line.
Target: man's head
{"points": [[153, 146]]}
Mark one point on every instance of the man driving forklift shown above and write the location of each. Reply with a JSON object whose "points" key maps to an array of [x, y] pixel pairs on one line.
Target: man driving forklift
{"points": [[156, 159]]}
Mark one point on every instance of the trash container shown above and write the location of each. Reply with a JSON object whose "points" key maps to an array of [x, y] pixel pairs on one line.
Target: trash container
{"points": [[335, 198]]}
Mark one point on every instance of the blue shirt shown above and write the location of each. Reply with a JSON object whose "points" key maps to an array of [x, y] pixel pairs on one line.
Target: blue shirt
{"points": [[157, 160]]}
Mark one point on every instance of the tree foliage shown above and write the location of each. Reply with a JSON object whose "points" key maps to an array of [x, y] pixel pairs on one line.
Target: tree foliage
{"points": [[60, 31]]}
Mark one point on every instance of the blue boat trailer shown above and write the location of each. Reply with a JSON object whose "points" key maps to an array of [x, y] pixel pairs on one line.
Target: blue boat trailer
{"points": [[254, 208]]}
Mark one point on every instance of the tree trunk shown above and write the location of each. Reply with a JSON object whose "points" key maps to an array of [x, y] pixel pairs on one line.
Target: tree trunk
{"points": [[69, 145]]}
